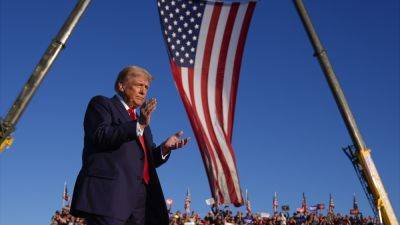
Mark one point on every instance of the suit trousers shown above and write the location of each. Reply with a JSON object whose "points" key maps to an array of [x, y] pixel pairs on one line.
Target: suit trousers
{"points": [[136, 218]]}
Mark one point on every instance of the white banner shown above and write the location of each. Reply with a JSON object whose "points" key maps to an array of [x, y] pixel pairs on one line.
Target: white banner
{"points": [[210, 201]]}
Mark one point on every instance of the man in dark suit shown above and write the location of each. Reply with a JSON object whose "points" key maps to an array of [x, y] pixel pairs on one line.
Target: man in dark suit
{"points": [[118, 183]]}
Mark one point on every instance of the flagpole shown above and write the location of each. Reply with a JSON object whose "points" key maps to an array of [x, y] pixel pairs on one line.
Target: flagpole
{"points": [[247, 198], [62, 197], [362, 157], [190, 199]]}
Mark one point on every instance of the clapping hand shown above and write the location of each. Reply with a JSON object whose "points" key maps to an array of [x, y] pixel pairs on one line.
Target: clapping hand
{"points": [[174, 142], [145, 112]]}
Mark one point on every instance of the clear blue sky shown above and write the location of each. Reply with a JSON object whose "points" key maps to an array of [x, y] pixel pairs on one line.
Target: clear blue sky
{"points": [[288, 132]]}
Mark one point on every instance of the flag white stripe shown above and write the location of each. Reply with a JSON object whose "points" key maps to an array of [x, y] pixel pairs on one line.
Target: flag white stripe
{"points": [[185, 82], [226, 94]]}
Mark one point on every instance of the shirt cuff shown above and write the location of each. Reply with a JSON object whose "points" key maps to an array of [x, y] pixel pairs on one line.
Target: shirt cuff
{"points": [[139, 131], [162, 155]]}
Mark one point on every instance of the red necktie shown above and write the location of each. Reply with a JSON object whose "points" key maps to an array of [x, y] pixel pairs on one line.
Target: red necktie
{"points": [[146, 175]]}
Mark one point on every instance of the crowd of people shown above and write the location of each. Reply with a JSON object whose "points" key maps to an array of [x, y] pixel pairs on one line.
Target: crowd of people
{"points": [[226, 217], [63, 217]]}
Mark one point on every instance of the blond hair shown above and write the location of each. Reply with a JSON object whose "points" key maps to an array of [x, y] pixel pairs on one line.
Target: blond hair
{"points": [[131, 71]]}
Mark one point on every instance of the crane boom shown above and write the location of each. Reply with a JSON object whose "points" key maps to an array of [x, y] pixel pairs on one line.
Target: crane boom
{"points": [[7, 125], [363, 155]]}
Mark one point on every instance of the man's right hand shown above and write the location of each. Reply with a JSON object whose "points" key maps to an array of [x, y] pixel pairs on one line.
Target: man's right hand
{"points": [[145, 112]]}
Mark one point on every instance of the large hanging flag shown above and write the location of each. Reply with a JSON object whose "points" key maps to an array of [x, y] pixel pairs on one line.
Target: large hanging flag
{"points": [[205, 42]]}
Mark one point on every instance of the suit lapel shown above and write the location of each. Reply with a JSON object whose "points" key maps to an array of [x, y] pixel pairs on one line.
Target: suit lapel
{"points": [[117, 103]]}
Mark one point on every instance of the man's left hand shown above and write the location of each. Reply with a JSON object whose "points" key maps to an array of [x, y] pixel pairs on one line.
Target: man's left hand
{"points": [[174, 142]]}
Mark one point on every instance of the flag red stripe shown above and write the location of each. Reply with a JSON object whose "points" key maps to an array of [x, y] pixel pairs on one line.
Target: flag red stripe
{"points": [[237, 64]]}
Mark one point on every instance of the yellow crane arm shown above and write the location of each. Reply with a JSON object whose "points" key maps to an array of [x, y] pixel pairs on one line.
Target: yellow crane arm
{"points": [[361, 158], [6, 143], [374, 181]]}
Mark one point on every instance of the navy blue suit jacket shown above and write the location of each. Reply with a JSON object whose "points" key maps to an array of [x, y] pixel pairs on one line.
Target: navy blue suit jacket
{"points": [[110, 179]]}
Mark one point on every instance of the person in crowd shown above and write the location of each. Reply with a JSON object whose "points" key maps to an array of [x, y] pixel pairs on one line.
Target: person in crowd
{"points": [[209, 217]]}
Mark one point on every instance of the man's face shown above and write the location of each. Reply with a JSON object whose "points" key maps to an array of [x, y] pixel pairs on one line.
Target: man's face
{"points": [[134, 90]]}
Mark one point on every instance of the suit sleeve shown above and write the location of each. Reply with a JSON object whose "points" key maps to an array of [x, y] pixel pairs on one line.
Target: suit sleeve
{"points": [[99, 128], [157, 156], [156, 151]]}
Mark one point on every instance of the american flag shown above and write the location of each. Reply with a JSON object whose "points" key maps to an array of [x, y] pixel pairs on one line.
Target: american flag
{"points": [[169, 203], [187, 202], [275, 203], [205, 42], [300, 210], [331, 204], [304, 202], [65, 193], [248, 204], [355, 203]]}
